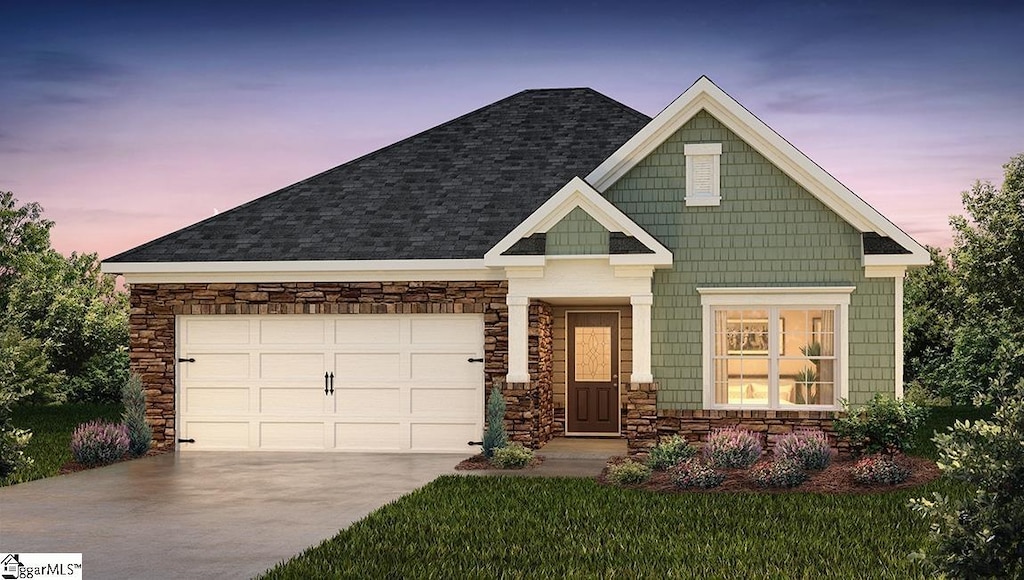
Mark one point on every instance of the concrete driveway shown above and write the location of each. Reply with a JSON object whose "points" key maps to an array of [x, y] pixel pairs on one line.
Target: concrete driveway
{"points": [[205, 514]]}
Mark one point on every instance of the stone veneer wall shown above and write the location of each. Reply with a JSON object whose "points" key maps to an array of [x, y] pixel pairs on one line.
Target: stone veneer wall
{"points": [[530, 415], [154, 306], [645, 424]]}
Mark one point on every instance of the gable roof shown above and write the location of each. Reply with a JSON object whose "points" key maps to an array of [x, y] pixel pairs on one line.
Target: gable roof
{"points": [[577, 193], [450, 192], [706, 95]]}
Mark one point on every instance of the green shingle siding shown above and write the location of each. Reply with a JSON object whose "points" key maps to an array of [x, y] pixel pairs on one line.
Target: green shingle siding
{"points": [[768, 231], [577, 233]]}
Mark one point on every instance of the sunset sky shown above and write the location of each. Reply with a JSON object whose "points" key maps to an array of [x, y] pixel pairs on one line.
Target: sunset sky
{"points": [[130, 120]]}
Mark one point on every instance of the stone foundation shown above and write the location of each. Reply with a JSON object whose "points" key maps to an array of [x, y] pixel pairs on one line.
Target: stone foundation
{"points": [[154, 306], [646, 425]]}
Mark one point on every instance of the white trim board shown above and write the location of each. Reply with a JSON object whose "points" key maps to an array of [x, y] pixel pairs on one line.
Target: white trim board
{"points": [[837, 297], [303, 271], [705, 95]]}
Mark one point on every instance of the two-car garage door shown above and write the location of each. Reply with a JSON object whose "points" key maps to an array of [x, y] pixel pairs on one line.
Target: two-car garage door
{"points": [[331, 382]]}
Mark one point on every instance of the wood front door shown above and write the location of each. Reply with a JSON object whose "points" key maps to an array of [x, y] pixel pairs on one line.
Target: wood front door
{"points": [[592, 372]]}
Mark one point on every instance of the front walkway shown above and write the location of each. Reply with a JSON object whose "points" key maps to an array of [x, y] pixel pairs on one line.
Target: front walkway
{"points": [[205, 514]]}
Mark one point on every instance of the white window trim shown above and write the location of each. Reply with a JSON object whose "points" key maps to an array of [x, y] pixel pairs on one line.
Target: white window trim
{"points": [[692, 151], [837, 297]]}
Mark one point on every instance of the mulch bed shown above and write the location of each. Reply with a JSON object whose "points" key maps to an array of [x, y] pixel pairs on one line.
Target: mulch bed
{"points": [[834, 479], [478, 461], [74, 466]]}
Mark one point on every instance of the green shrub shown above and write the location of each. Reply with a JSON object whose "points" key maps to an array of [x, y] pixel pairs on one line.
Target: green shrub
{"points": [[879, 469], [978, 534], [695, 473], [884, 425], [140, 434], [809, 449], [99, 380], [21, 364], [669, 452], [732, 447], [98, 442], [778, 473], [495, 436], [514, 456], [628, 472]]}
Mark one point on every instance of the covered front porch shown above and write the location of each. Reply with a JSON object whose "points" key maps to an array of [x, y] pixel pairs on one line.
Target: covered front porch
{"points": [[575, 360], [579, 303]]}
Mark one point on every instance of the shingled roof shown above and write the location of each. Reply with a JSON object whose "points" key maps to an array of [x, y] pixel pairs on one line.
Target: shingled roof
{"points": [[449, 192]]}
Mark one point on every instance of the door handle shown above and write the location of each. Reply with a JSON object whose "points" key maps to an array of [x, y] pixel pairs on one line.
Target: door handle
{"points": [[332, 383], [325, 384]]}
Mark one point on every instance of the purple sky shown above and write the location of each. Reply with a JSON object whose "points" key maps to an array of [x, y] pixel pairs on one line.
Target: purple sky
{"points": [[130, 120]]}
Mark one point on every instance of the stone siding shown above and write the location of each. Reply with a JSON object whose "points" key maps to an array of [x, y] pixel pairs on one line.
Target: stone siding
{"points": [[529, 418], [154, 306]]}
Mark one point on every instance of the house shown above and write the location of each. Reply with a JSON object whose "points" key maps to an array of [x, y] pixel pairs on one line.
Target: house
{"points": [[613, 274]]}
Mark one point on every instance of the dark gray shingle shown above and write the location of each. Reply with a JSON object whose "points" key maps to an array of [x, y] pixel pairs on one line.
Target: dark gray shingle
{"points": [[876, 244], [450, 192]]}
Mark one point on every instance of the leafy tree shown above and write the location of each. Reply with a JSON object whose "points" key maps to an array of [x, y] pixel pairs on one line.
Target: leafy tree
{"points": [[81, 319], [23, 231], [978, 534], [988, 264], [74, 312], [929, 316]]}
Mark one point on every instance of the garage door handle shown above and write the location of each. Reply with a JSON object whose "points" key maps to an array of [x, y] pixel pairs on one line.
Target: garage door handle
{"points": [[332, 383], [325, 384], [186, 360], [474, 360]]}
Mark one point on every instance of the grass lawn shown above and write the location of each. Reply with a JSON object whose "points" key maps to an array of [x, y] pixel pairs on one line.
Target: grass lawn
{"points": [[481, 527], [51, 427]]}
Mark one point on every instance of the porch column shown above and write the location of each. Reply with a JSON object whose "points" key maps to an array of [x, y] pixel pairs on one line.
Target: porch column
{"points": [[518, 331], [641, 338]]}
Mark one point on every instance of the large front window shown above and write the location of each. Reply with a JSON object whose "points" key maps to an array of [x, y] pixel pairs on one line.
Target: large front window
{"points": [[782, 355]]}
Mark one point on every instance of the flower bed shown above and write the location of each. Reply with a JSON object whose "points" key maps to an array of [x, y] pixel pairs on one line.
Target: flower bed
{"points": [[835, 479]]}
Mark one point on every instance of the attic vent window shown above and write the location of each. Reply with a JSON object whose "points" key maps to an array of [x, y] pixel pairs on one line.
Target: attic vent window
{"points": [[703, 173]]}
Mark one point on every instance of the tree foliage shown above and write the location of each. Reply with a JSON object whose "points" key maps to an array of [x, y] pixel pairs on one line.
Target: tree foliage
{"points": [[929, 315], [962, 315], [23, 232], [74, 311], [22, 366], [980, 534]]}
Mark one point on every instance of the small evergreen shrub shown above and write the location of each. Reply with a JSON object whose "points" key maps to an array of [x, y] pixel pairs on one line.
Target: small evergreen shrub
{"points": [[879, 469], [495, 436], [732, 447], [695, 473], [778, 473], [133, 397], [669, 452], [98, 442], [628, 472], [808, 449], [514, 456], [884, 425]]}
